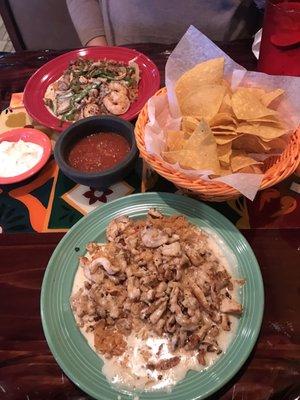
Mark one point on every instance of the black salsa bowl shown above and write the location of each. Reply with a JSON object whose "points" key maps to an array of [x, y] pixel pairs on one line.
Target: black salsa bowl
{"points": [[88, 126]]}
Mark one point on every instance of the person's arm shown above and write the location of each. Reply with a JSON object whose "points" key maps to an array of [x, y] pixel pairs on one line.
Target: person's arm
{"points": [[87, 19], [97, 41]]}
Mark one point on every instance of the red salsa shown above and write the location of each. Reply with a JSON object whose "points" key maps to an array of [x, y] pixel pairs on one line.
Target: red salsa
{"points": [[98, 152]]}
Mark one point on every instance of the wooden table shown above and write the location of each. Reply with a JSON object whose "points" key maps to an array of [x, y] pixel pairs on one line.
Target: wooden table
{"points": [[28, 370]]}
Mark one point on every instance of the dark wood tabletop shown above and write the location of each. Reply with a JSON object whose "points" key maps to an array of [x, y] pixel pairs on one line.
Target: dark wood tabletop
{"points": [[28, 371]]}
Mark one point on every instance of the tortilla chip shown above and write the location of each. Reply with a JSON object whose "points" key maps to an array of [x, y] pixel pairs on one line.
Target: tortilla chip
{"points": [[240, 159], [189, 124], [224, 153], [224, 129], [222, 118], [251, 144], [251, 169], [199, 151], [246, 105], [226, 106], [226, 84], [224, 138], [185, 158], [188, 159], [202, 136], [264, 131], [220, 127], [175, 140], [202, 103], [277, 144], [255, 91], [225, 170], [273, 119], [254, 144], [269, 97], [207, 72]]}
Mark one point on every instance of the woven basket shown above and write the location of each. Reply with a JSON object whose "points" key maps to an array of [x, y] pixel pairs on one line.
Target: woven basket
{"points": [[276, 168]]}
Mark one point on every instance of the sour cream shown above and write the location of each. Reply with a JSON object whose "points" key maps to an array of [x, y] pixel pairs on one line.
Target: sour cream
{"points": [[18, 157]]}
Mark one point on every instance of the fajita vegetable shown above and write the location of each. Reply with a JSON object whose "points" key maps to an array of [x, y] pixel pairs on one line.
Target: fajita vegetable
{"points": [[89, 87]]}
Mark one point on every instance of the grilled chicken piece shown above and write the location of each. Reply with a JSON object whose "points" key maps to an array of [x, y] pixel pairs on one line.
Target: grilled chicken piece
{"points": [[230, 306]]}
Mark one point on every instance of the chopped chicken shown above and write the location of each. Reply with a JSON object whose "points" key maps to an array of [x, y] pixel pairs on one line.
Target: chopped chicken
{"points": [[163, 365], [160, 276], [230, 306]]}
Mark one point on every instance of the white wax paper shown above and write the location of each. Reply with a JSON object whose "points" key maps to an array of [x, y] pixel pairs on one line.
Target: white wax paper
{"points": [[256, 43], [164, 113]]}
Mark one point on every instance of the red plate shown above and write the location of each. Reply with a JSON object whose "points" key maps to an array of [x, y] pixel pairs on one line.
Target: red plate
{"points": [[27, 135], [50, 72]]}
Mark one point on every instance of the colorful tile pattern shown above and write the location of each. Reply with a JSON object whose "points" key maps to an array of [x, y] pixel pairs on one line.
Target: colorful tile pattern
{"points": [[51, 202]]}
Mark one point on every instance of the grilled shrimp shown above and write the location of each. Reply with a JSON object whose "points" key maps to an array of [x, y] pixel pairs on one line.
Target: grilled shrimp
{"points": [[116, 103], [117, 87], [91, 110]]}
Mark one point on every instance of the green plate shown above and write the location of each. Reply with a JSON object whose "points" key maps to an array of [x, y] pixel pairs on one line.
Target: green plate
{"points": [[70, 348]]}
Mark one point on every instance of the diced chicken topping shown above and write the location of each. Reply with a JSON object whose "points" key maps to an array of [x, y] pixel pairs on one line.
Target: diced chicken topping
{"points": [[159, 275]]}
